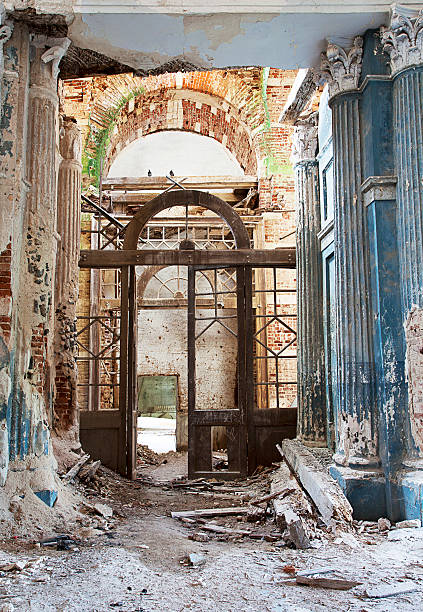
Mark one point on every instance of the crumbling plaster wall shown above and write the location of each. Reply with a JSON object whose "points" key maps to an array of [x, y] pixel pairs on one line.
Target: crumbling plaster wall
{"points": [[28, 169], [414, 370]]}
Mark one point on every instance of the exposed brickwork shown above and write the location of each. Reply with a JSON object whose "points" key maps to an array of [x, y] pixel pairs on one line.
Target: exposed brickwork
{"points": [[38, 353], [231, 107], [224, 104], [5, 291], [63, 404]]}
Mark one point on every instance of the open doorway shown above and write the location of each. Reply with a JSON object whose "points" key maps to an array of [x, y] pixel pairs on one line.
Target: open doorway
{"points": [[162, 325], [157, 407]]}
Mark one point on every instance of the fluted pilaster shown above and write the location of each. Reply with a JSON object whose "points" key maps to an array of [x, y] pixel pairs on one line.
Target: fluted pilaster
{"points": [[356, 415], [356, 436], [66, 282], [408, 107], [5, 33], [403, 41], [310, 354]]}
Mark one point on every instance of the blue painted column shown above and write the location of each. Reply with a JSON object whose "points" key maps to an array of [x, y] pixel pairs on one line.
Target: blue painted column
{"points": [[405, 47], [357, 443], [310, 354], [403, 41], [357, 435], [357, 461]]}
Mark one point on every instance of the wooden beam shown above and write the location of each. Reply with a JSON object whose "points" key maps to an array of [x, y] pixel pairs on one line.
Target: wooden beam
{"points": [[159, 183], [145, 196], [284, 257]]}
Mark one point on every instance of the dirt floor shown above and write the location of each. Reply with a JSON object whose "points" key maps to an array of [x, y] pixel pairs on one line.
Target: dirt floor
{"points": [[136, 560]]}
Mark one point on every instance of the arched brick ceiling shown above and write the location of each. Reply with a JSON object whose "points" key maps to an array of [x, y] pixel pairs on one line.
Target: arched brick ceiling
{"points": [[225, 105]]}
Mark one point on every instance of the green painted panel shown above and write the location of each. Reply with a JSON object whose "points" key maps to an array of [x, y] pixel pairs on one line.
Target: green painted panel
{"points": [[157, 396]]}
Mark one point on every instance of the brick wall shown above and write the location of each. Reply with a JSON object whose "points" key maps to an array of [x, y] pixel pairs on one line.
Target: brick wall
{"points": [[37, 368], [5, 291]]}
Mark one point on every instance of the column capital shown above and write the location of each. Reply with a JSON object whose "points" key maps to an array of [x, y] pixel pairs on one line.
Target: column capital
{"points": [[342, 67], [5, 32], [57, 47], [403, 39], [70, 142], [304, 142]]}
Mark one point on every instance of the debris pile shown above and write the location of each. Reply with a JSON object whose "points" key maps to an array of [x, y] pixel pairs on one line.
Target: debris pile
{"points": [[146, 456]]}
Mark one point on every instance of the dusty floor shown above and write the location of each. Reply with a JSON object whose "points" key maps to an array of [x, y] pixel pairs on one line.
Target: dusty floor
{"points": [[135, 563]]}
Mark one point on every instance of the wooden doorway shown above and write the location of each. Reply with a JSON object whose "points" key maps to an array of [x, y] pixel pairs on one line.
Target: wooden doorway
{"points": [[239, 421]]}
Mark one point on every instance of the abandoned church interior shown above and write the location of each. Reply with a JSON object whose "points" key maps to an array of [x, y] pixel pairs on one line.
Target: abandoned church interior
{"points": [[211, 305]]}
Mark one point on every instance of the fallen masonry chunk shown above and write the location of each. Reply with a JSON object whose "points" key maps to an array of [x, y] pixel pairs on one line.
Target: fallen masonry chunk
{"points": [[88, 472], [388, 590], [196, 559], [297, 535], [235, 511], [199, 536], [17, 566], [322, 488], [255, 514], [327, 583], [103, 510], [384, 524], [47, 496], [410, 524], [285, 515]]}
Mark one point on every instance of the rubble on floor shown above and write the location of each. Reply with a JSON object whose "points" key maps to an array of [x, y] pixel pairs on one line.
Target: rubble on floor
{"points": [[169, 562]]}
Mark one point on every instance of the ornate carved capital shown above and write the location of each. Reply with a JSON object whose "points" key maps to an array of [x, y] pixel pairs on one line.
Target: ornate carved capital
{"points": [[5, 33], [342, 68], [403, 39], [55, 52], [304, 143], [70, 140]]}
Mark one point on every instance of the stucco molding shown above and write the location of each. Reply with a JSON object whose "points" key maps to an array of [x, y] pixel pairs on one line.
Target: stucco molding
{"points": [[342, 68], [403, 39], [304, 142], [70, 142], [378, 188], [57, 47], [302, 91], [5, 33]]}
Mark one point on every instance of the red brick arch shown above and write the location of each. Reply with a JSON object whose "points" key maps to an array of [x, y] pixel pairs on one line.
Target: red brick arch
{"points": [[184, 110]]}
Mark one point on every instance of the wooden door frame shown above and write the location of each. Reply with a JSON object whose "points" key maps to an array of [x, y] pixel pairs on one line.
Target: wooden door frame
{"points": [[243, 257]]}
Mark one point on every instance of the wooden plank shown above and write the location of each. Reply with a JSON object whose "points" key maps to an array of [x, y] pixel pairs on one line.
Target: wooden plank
{"points": [[160, 183], [234, 511], [328, 583], [75, 469], [285, 258]]}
